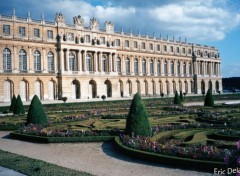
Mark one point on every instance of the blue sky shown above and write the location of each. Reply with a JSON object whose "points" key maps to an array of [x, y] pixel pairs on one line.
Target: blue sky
{"points": [[207, 22]]}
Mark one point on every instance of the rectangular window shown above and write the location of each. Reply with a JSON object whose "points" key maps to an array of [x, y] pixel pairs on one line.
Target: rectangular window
{"points": [[22, 32], [36, 32], [87, 38], [102, 40], [165, 48], [6, 29], [184, 51], [189, 51], [117, 42], [158, 47], [71, 36], [50, 34], [151, 46], [171, 49], [126, 43], [135, 44], [178, 51], [143, 45]]}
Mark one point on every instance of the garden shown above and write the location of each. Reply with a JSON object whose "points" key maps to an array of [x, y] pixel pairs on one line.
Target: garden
{"points": [[158, 129]]}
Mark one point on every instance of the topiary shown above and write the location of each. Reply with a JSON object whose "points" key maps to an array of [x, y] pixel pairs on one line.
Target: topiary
{"points": [[181, 96], [209, 99], [36, 112], [137, 120], [177, 100], [19, 109], [13, 103]]}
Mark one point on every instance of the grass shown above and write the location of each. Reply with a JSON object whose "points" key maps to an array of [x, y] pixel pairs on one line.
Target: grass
{"points": [[35, 167], [200, 137]]}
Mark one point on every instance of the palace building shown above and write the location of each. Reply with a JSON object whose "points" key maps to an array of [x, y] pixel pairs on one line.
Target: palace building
{"points": [[55, 60]]}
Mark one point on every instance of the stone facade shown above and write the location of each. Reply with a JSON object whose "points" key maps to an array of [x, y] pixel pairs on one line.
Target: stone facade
{"points": [[55, 60]]}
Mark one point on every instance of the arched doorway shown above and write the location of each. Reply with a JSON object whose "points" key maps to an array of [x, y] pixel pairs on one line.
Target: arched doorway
{"points": [[24, 90], [75, 89], [174, 87], [153, 88], [180, 86], [121, 88], [167, 87], [92, 89], [186, 87], [146, 87], [128, 88], [138, 87], [38, 89], [108, 88], [161, 87], [51, 90], [8, 90]]}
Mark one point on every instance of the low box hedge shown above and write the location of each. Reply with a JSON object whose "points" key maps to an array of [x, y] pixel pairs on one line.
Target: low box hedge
{"points": [[42, 139], [179, 162]]}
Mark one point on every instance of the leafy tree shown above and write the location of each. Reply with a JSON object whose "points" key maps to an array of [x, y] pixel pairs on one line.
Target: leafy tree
{"points": [[103, 97], [36, 112], [137, 120], [181, 96], [209, 99], [162, 94], [177, 100], [19, 109], [13, 103]]}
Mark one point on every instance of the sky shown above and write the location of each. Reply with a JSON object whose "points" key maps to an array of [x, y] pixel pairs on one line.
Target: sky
{"points": [[207, 22]]}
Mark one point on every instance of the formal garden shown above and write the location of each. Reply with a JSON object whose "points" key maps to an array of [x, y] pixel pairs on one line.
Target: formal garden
{"points": [[157, 129]]}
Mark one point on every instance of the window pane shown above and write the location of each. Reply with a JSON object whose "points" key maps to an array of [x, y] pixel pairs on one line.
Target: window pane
{"points": [[6, 29]]}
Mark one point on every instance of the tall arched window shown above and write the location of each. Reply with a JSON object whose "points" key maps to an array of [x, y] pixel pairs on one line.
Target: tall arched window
{"points": [[37, 61], [88, 63], [172, 68], [51, 67], [158, 67], [127, 62], [190, 68], [184, 68], [144, 66], [72, 62], [165, 68], [104, 63], [151, 67], [7, 60], [201, 68], [118, 62], [135, 66], [22, 60], [178, 68]]}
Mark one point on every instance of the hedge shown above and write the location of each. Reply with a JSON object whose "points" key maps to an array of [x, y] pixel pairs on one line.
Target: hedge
{"points": [[42, 139], [9, 127], [186, 163]]}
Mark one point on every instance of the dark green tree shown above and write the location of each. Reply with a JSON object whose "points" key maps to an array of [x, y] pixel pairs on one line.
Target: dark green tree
{"points": [[181, 96], [137, 120], [209, 99], [19, 109], [177, 100], [13, 103], [36, 112]]}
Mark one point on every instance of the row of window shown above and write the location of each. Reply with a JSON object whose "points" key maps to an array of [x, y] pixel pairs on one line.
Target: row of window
{"points": [[22, 32], [7, 61]]}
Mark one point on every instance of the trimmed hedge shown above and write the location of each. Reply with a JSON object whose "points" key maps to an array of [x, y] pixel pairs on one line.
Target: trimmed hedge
{"points": [[9, 127], [186, 163], [41, 139]]}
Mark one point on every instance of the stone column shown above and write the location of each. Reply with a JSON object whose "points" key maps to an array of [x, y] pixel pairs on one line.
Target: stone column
{"points": [[219, 73], [162, 67], [140, 65], [181, 68], [155, 66], [114, 59], [110, 62], [95, 62], [79, 57], [67, 60], [147, 66], [204, 68], [15, 60], [195, 66], [131, 65], [169, 68], [100, 61], [187, 68], [44, 61], [175, 68], [123, 65], [84, 60], [30, 60], [61, 63]]}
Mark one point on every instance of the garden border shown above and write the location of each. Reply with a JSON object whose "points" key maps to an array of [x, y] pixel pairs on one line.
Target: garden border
{"points": [[185, 163], [43, 139]]}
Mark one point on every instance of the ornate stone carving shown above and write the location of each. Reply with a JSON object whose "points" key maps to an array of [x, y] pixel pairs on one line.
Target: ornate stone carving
{"points": [[94, 25], [59, 19], [78, 21], [109, 27]]}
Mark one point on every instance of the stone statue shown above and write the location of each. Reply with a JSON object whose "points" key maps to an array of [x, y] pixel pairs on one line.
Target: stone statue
{"points": [[109, 27], [78, 21], [94, 25]]}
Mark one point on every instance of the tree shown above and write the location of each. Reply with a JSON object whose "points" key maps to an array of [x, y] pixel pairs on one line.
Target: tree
{"points": [[103, 97], [36, 112], [19, 109], [162, 94], [209, 99], [13, 103], [181, 96], [137, 120], [177, 100]]}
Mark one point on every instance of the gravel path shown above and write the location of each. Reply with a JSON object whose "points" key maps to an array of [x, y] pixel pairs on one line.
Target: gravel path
{"points": [[97, 158]]}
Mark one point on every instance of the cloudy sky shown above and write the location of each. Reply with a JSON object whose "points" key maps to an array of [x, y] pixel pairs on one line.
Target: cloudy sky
{"points": [[208, 22]]}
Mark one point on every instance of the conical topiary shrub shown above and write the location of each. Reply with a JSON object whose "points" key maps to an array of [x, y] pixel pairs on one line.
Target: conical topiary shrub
{"points": [[181, 96], [209, 99], [177, 100], [36, 112], [137, 120], [19, 109], [13, 103]]}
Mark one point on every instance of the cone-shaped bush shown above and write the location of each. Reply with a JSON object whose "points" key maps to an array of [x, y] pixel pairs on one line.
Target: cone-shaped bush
{"points": [[177, 100], [19, 109], [209, 99], [36, 112], [181, 96], [13, 103], [137, 120]]}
